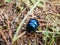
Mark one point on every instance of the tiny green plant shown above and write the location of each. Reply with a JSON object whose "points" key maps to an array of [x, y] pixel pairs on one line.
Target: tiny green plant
{"points": [[7, 0]]}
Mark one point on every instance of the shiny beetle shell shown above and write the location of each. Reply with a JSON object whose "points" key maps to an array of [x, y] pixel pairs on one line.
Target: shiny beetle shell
{"points": [[32, 25]]}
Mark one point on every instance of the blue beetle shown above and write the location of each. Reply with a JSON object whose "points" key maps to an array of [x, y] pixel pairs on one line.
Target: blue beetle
{"points": [[32, 25]]}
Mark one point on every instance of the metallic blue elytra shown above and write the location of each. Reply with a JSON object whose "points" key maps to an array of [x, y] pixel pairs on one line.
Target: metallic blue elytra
{"points": [[32, 25]]}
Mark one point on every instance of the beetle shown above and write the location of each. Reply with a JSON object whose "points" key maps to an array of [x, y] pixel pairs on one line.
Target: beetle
{"points": [[32, 25]]}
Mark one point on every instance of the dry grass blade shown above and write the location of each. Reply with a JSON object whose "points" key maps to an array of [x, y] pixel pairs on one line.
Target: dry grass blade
{"points": [[46, 31], [18, 29], [18, 37]]}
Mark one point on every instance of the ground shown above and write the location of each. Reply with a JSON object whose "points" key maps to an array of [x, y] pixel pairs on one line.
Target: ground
{"points": [[12, 14]]}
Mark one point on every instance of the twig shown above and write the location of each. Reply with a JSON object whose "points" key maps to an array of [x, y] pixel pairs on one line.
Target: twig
{"points": [[9, 30], [4, 37]]}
